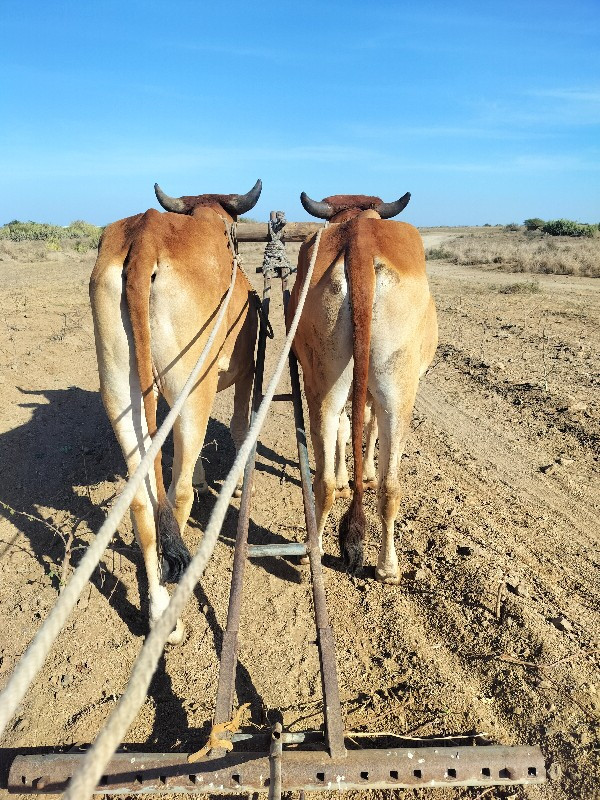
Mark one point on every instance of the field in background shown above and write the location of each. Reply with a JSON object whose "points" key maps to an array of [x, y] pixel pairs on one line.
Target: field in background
{"points": [[518, 251], [510, 248]]}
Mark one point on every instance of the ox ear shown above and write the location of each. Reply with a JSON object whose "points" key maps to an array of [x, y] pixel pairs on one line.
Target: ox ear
{"points": [[320, 210], [387, 210], [175, 204], [242, 203]]}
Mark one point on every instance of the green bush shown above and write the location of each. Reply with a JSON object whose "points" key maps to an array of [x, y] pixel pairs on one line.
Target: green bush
{"points": [[433, 253], [534, 224], [568, 227], [18, 231], [512, 226], [23, 231], [522, 287]]}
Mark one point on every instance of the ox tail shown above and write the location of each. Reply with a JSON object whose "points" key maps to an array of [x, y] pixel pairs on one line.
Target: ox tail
{"points": [[360, 269], [173, 554]]}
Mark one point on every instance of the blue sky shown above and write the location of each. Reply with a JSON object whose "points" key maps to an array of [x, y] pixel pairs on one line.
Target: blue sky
{"points": [[486, 112]]}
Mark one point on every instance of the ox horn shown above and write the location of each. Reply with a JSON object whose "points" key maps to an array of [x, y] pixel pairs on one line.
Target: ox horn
{"points": [[320, 210], [175, 204], [387, 210], [241, 203]]}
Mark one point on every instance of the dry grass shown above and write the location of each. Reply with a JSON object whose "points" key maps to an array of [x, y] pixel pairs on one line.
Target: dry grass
{"points": [[522, 252]]}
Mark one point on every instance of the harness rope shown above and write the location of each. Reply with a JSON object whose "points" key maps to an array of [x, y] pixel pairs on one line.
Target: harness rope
{"points": [[231, 231], [275, 257], [86, 779], [35, 655]]}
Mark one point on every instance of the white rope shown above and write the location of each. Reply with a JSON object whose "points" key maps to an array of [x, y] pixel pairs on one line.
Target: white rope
{"points": [[86, 778], [35, 655]]}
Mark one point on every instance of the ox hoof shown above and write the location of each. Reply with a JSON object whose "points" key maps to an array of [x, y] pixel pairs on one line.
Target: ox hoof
{"points": [[388, 578], [201, 488], [370, 483], [177, 635], [342, 492], [304, 560], [238, 490]]}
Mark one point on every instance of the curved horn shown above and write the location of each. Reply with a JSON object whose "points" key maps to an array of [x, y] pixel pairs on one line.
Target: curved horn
{"points": [[175, 204], [241, 203], [387, 210], [320, 210]]}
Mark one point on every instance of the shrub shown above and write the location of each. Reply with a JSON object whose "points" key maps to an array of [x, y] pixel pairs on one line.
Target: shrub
{"points": [[534, 224], [18, 231], [437, 252], [22, 231], [522, 287], [568, 227], [512, 226]]}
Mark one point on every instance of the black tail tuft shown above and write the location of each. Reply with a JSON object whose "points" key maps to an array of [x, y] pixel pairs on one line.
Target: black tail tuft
{"points": [[175, 555], [352, 534]]}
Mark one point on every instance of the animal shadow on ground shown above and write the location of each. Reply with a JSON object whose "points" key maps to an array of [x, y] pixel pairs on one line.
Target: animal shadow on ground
{"points": [[47, 463], [219, 454]]}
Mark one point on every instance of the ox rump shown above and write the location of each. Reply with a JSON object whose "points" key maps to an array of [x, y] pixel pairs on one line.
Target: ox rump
{"points": [[155, 290], [369, 331]]}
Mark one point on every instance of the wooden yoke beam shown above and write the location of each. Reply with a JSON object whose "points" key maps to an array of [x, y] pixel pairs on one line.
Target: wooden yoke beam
{"points": [[259, 231]]}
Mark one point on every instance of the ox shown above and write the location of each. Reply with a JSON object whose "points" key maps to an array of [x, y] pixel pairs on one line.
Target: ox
{"points": [[156, 287], [369, 326]]}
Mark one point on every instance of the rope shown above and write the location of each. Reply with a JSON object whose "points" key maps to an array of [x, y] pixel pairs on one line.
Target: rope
{"points": [[86, 779], [35, 655], [275, 257]]}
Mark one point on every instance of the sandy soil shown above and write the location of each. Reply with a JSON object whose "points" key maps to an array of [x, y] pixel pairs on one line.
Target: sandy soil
{"points": [[502, 500]]}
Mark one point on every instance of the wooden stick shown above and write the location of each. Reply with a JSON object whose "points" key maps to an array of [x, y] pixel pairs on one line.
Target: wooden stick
{"points": [[259, 231]]}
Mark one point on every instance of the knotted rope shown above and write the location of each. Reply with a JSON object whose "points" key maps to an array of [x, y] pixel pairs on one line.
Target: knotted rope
{"points": [[275, 257]]}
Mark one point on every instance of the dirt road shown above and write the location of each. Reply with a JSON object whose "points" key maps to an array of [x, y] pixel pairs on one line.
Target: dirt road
{"points": [[500, 514]]}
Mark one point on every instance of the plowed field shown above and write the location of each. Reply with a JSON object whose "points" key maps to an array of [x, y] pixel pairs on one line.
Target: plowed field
{"points": [[495, 626]]}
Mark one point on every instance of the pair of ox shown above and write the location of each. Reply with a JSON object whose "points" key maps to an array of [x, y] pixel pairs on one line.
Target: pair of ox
{"points": [[368, 328]]}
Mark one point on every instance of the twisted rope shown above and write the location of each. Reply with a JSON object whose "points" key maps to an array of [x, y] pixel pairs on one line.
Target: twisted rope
{"points": [[35, 655], [275, 257], [86, 779]]}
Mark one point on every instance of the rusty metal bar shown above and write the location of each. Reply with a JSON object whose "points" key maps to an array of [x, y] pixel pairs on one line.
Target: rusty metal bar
{"points": [[238, 772], [332, 708], [280, 398], [276, 550], [228, 662], [275, 755]]}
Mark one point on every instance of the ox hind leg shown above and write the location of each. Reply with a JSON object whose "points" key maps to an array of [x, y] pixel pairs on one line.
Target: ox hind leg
{"points": [[325, 413], [369, 477], [132, 434], [369, 473], [239, 420], [189, 432], [342, 482], [121, 393], [393, 405]]}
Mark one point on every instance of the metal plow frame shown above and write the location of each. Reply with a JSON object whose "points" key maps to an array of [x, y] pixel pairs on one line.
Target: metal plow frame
{"points": [[282, 761]]}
